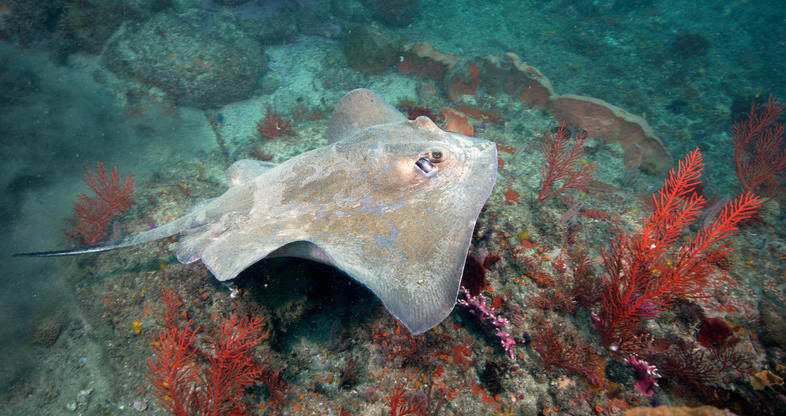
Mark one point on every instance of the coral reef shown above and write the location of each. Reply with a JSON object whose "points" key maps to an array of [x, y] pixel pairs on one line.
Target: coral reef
{"points": [[457, 122], [509, 74], [576, 303]]}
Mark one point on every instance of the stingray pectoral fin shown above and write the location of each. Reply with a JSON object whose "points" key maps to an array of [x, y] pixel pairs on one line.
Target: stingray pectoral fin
{"points": [[304, 250], [421, 310], [358, 109], [226, 261], [420, 297]]}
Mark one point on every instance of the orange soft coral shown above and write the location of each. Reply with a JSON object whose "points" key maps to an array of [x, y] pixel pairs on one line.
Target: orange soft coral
{"points": [[457, 122]]}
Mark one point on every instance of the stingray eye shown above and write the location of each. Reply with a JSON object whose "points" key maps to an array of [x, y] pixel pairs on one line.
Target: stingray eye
{"points": [[436, 156], [424, 167]]}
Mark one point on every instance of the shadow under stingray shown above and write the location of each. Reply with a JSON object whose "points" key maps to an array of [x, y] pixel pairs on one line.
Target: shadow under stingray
{"points": [[308, 300]]}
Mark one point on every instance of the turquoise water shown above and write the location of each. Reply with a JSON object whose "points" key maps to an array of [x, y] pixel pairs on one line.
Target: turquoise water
{"points": [[174, 92]]}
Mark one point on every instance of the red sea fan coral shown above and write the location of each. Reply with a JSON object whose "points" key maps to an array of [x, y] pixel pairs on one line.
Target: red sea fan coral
{"points": [[562, 168], [94, 214], [273, 126], [182, 389], [557, 347], [645, 272], [759, 152], [174, 371], [402, 402], [232, 367]]}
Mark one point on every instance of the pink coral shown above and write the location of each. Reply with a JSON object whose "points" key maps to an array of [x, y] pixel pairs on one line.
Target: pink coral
{"points": [[647, 375], [476, 305]]}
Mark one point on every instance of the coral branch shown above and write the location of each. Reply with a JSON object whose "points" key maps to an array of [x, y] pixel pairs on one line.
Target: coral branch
{"points": [[563, 158], [232, 367], [174, 371], [171, 304]]}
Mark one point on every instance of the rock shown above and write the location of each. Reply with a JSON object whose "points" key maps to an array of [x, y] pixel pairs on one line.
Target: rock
{"points": [[269, 83], [610, 123], [311, 23], [690, 45], [368, 49], [351, 10], [195, 68], [83, 398], [139, 405], [89, 24], [393, 12], [270, 22], [770, 211], [272, 30], [773, 324]]}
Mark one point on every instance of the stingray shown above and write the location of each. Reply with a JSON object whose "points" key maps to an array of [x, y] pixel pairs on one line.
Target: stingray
{"points": [[389, 201]]}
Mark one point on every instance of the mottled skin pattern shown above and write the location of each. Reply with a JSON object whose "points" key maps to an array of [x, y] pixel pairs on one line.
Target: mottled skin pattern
{"points": [[359, 204]]}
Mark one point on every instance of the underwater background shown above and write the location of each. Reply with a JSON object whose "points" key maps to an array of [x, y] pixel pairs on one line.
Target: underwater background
{"points": [[171, 92]]}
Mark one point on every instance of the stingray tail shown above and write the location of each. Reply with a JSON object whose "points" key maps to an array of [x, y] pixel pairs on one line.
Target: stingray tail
{"points": [[167, 230], [110, 245]]}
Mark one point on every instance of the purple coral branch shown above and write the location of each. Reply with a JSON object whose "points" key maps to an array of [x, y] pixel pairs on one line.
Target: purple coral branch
{"points": [[646, 373], [477, 306]]}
